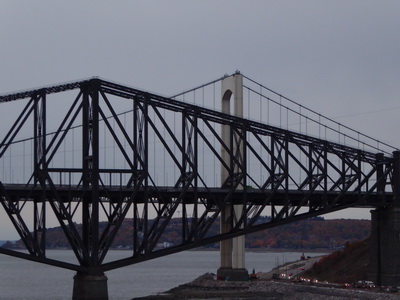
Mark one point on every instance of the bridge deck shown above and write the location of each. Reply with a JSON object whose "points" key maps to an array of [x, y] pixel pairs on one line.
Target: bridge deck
{"points": [[207, 196]]}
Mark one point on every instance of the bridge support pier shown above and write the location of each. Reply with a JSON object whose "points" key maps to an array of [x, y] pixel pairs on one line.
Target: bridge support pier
{"points": [[232, 251], [384, 268], [90, 287]]}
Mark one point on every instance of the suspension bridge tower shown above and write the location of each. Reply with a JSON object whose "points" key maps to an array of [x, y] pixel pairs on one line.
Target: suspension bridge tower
{"points": [[232, 251]]}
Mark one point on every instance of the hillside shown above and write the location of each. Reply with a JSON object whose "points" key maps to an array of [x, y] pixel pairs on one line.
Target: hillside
{"points": [[344, 266], [311, 234], [315, 233]]}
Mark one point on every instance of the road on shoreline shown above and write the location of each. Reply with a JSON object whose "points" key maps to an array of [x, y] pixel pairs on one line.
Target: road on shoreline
{"points": [[291, 269]]}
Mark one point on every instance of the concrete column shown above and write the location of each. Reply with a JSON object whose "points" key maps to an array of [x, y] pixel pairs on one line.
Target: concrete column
{"points": [[238, 251], [232, 251], [90, 287], [384, 267], [226, 245]]}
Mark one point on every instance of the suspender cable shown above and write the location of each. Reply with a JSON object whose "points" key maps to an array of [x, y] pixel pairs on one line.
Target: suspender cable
{"points": [[316, 113]]}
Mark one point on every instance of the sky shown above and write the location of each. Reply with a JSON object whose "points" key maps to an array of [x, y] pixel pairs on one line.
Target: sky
{"points": [[340, 58]]}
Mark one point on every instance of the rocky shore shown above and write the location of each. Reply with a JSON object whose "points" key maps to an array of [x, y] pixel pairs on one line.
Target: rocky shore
{"points": [[206, 287], [263, 286]]}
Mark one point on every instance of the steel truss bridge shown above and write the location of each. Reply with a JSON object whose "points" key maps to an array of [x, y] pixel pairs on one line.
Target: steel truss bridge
{"points": [[94, 151]]}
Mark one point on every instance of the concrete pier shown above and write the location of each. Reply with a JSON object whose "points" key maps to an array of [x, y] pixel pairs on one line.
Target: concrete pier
{"points": [[90, 287], [384, 268], [232, 251]]}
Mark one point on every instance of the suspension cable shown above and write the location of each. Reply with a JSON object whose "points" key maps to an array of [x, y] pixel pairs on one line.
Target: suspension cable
{"points": [[318, 114], [379, 143]]}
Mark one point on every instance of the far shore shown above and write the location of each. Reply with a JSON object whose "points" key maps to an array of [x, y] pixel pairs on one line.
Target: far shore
{"points": [[274, 250]]}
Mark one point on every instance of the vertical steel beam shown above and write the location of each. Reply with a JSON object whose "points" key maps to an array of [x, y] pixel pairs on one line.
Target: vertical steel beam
{"points": [[325, 172], [196, 172], [40, 172], [396, 179], [286, 171], [136, 143], [143, 142], [185, 156], [86, 165], [272, 174], [145, 153], [90, 170], [379, 173], [39, 135], [95, 176]]}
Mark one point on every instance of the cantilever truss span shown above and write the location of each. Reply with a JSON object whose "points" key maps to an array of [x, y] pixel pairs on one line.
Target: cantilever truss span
{"points": [[161, 168]]}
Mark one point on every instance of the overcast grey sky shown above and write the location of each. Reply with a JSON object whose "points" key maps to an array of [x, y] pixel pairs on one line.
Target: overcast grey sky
{"points": [[340, 58]]}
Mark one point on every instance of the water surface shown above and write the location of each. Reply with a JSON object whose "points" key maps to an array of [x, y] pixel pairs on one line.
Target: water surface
{"points": [[20, 279]]}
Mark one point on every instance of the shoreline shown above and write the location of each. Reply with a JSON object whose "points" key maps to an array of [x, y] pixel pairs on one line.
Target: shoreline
{"points": [[206, 287], [264, 287], [274, 250]]}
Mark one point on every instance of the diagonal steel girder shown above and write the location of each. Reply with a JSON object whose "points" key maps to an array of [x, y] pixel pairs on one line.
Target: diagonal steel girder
{"points": [[345, 180]]}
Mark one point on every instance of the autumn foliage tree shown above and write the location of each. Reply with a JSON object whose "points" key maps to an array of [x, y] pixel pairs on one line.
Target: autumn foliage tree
{"points": [[307, 234]]}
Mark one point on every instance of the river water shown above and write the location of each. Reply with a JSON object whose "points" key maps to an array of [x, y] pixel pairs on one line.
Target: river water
{"points": [[20, 279]]}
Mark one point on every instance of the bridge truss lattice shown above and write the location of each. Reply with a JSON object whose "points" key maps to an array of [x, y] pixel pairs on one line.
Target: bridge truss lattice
{"points": [[91, 154]]}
